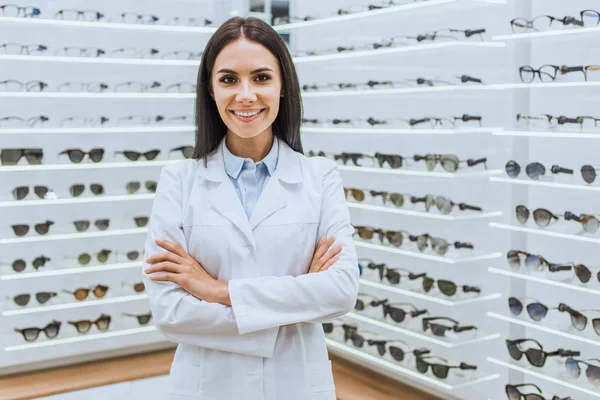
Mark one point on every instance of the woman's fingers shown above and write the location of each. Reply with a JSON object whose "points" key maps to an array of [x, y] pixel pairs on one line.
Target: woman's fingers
{"points": [[166, 276], [330, 254], [329, 263], [166, 266], [322, 247], [172, 247], [167, 256]]}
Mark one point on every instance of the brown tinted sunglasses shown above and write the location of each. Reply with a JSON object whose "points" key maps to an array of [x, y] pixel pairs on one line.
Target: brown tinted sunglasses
{"points": [[82, 293]]}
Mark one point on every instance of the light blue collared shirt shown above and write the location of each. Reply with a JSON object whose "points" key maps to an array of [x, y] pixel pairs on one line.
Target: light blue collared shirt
{"points": [[250, 178]]}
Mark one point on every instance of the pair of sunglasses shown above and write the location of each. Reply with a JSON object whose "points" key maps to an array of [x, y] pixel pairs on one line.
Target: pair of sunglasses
{"points": [[41, 297], [440, 370], [142, 319], [543, 218], [394, 311], [136, 155], [84, 326], [30, 334], [394, 161], [536, 262], [77, 155], [438, 245], [397, 353], [20, 192], [533, 170], [449, 162], [391, 274], [536, 356], [438, 329], [134, 186], [82, 293], [513, 393], [12, 156], [78, 189], [20, 264], [447, 287], [83, 225], [592, 372], [41, 228], [186, 151]]}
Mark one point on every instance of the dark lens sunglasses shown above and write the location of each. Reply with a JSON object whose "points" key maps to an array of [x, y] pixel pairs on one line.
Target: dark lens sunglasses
{"points": [[135, 155], [536, 356], [447, 287], [42, 228], [134, 186], [30, 334], [101, 256], [533, 170], [83, 225], [513, 393], [12, 156], [84, 326], [143, 319], [41, 297], [77, 155], [77, 189], [439, 370], [20, 192], [20, 264], [592, 372], [438, 329]]}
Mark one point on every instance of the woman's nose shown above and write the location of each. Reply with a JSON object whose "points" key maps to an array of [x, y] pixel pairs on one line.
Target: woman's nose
{"points": [[246, 93]]}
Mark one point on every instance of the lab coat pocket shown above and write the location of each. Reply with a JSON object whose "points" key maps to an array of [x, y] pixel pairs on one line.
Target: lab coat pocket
{"points": [[320, 380], [208, 243], [184, 381]]}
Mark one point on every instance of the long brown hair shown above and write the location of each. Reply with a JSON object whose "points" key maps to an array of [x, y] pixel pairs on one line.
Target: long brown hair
{"points": [[210, 128]]}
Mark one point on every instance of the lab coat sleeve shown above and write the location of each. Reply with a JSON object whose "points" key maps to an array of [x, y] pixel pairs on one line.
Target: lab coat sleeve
{"points": [[265, 302], [181, 317]]}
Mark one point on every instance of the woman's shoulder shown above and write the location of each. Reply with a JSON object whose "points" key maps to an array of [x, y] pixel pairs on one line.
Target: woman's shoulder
{"points": [[317, 165], [181, 170]]}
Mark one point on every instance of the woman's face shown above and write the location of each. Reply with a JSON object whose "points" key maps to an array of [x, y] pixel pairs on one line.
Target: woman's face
{"points": [[246, 86]]}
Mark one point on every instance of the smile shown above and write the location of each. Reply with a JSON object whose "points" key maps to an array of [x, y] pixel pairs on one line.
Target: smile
{"points": [[247, 116]]}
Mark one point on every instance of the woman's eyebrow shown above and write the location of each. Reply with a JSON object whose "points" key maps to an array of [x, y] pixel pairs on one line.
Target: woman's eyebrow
{"points": [[256, 71]]}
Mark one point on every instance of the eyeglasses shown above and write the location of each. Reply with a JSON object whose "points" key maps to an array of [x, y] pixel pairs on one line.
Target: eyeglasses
{"points": [[20, 192], [31, 334], [186, 151], [93, 87], [535, 262], [540, 23], [136, 120], [18, 122], [360, 160], [20, 264], [137, 86], [447, 287], [41, 297], [19, 49], [135, 18], [592, 372], [190, 21], [533, 170], [443, 204], [79, 15], [11, 10], [143, 319], [12, 156], [101, 256], [547, 72], [132, 52], [140, 221], [438, 329], [70, 122], [181, 87], [513, 393], [41, 228], [77, 155], [77, 189], [71, 51], [183, 55], [134, 186], [12, 85], [82, 293], [84, 224], [536, 357], [440, 370], [84, 326], [454, 34], [135, 155], [449, 162]]}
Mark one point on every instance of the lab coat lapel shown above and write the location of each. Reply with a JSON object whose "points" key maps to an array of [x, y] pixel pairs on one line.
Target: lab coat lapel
{"points": [[223, 197], [274, 195]]}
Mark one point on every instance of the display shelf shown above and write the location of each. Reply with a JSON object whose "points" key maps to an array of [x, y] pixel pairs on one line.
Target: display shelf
{"points": [[84, 166], [544, 281], [424, 296], [102, 60], [73, 131], [530, 182], [530, 372], [77, 200], [542, 328], [28, 23], [99, 96], [543, 85], [431, 174], [397, 328], [394, 131], [425, 256], [393, 91], [70, 271], [72, 305], [83, 338], [398, 50], [380, 365], [567, 33], [422, 214], [555, 135], [437, 6], [69, 236], [539, 231]]}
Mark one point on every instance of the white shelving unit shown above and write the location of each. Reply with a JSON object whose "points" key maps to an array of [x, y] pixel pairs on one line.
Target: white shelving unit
{"points": [[65, 167], [516, 181], [455, 216], [72, 305], [99, 96], [77, 200], [539, 231], [432, 174], [71, 271], [394, 131], [71, 236], [550, 135]]}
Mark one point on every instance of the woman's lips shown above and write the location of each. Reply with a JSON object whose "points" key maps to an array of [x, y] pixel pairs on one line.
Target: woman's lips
{"points": [[247, 119]]}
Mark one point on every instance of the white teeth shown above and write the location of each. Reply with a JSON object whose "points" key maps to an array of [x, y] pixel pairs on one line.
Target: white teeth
{"points": [[246, 114]]}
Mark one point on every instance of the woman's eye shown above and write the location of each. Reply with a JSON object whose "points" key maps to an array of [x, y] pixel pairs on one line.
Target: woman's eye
{"points": [[263, 78], [228, 79]]}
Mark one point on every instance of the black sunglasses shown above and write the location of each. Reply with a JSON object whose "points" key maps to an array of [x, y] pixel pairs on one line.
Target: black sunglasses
{"points": [[77, 155], [83, 225], [396, 352], [536, 356], [41, 297], [135, 155], [438, 329], [20, 192], [440, 370], [41, 228], [447, 287], [30, 334], [513, 393], [533, 170], [20, 264]]}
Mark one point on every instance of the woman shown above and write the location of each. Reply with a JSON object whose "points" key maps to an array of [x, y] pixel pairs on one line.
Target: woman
{"points": [[250, 243]]}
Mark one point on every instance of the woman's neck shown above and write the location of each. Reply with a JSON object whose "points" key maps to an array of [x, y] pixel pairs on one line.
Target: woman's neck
{"points": [[256, 147]]}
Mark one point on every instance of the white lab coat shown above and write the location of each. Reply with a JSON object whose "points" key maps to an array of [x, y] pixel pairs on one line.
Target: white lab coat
{"points": [[269, 345]]}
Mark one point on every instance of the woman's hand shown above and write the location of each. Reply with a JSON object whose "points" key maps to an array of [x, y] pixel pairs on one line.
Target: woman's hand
{"points": [[179, 267], [324, 258]]}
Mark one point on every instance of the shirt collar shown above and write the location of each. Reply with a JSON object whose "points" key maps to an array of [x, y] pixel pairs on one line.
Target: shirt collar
{"points": [[234, 164]]}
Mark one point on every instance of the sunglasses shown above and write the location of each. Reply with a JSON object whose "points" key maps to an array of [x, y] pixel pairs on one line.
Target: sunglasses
{"points": [[392, 274], [84, 326], [101, 256], [77, 155], [41, 297], [440, 370], [438, 329], [449, 162], [82, 293], [135, 155], [20, 192], [513, 393], [137, 287], [18, 122], [41, 228], [588, 173], [329, 326], [533, 170], [186, 151], [536, 310], [368, 232], [443, 204], [143, 319], [12, 156], [396, 352], [31, 334], [134, 186], [19, 265], [140, 221], [438, 245], [536, 356], [398, 314], [535, 262], [592, 372], [447, 287], [78, 189], [83, 225], [541, 216]]}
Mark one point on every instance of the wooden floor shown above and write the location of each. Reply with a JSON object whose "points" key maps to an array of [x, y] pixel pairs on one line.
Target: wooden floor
{"points": [[352, 382]]}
